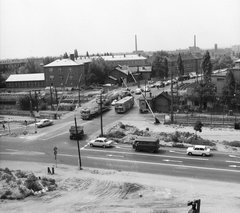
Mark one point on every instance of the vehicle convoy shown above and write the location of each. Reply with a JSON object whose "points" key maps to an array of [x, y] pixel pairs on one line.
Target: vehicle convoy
{"points": [[124, 104], [149, 144], [76, 134], [89, 113]]}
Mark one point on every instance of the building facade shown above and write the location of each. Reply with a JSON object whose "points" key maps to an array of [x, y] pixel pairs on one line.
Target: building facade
{"points": [[64, 73]]}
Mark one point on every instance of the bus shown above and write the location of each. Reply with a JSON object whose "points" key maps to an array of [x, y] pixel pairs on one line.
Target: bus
{"points": [[124, 104]]}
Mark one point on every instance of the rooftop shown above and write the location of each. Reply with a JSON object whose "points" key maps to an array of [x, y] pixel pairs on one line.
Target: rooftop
{"points": [[26, 77]]}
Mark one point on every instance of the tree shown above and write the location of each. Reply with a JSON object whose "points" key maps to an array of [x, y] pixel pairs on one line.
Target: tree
{"points": [[198, 126], [180, 65], [204, 93], [166, 68], [75, 53], [65, 55], [222, 62], [228, 95], [98, 70], [158, 66], [32, 67], [87, 54], [207, 67], [48, 60]]}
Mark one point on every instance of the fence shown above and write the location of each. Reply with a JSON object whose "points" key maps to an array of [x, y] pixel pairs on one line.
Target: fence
{"points": [[214, 120]]}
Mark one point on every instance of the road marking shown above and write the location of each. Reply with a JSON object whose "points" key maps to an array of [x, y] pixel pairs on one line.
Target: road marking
{"points": [[234, 166], [66, 155], [63, 132], [116, 156], [233, 156], [151, 155], [164, 164], [178, 152], [177, 161], [38, 153], [228, 161], [15, 150]]}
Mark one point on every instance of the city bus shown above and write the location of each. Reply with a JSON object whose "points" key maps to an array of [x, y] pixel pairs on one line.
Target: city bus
{"points": [[124, 104]]}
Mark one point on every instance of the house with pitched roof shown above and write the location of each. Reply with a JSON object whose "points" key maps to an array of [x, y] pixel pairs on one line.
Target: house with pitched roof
{"points": [[65, 73]]}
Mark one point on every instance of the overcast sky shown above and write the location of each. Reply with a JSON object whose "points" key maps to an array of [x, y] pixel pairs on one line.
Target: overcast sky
{"points": [[40, 28]]}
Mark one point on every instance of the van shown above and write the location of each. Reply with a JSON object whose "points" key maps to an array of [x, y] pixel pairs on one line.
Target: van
{"points": [[146, 144]]}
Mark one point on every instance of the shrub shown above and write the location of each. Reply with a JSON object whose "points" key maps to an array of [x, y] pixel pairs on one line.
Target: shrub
{"points": [[233, 143], [122, 126], [8, 171], [21, 174], [147, 129], [32, 183], [116, 134]]}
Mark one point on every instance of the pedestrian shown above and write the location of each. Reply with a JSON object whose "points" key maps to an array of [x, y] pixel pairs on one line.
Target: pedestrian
{"points": [[3, 126], [25, 122]]}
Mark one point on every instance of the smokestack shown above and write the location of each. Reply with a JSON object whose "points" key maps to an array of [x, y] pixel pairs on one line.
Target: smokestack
{"points": [[194, 40], [136, 43]]}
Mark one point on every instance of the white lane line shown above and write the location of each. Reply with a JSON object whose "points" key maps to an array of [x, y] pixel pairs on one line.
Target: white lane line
{"points": [[62, 133], [164, 164], [116, 156], [38, 153], [167, 160], [228, 161], [14, 150], [153, 155], [178, 152], [234, 166], [233, 156], [66, 155]]}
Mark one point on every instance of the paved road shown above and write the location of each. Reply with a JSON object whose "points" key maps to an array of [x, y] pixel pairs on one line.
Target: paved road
{"points": [[168, 161]]}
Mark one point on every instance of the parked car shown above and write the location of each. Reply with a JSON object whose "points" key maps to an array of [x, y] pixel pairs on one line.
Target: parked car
{"points": [[138, 91], [198, 150], [159, 84], [146, 89], [44, 122], [102, 142], [114, 102]]}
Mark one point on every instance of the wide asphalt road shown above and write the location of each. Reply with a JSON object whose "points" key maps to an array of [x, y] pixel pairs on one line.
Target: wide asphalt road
{"points": [[121, 157]]}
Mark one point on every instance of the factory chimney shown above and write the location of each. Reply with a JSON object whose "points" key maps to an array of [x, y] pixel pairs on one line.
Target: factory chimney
{"points": [[194, 40], [136, 43]]}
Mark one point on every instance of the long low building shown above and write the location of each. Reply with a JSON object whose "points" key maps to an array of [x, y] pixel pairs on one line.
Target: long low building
{"points": [[21, 81]]}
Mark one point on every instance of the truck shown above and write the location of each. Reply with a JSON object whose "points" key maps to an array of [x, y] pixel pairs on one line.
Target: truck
{"points": [[74, 135], [89, 113], [124, 104]]}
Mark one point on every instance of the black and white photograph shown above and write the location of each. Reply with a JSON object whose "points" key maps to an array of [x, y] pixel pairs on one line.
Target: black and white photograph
{"points": [[120, 106]]}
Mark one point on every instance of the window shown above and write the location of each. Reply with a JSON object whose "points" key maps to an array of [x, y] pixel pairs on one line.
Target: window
{"points": [[51, 77], [61, 77], [50, 69], [60, 69]]}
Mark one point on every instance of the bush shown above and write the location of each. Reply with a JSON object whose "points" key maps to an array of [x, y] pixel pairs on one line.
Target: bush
{"points": [[32, 183], [21, 174], [116, 134], [122, 126], [233, 143]]}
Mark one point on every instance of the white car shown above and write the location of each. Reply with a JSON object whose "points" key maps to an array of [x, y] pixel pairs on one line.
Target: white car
{"points": [[138, 91], [101, 141], [114, 102], [198, 150], [44, 122], [146, 89]]}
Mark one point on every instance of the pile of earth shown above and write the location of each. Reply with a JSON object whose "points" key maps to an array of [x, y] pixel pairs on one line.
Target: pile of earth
{"points": [[122, 133], [16, 185]]}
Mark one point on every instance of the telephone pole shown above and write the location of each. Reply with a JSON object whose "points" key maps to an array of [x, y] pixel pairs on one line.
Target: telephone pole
{"points": [[171, 97], [101, 113]]}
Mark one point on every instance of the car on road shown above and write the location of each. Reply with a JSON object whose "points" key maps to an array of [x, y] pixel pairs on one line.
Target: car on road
{"points": [[102, 142], [198, 150], [138, 91], [114, 102], [146, 89], [159, 84], [44, 122]]}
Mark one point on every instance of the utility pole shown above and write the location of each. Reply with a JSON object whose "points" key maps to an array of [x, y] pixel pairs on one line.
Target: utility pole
{"points": [[171, 97], [101, 113], [56, 95], [79, 155], [51, 97], [30, 96], [36, 98], [79, 81]]}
